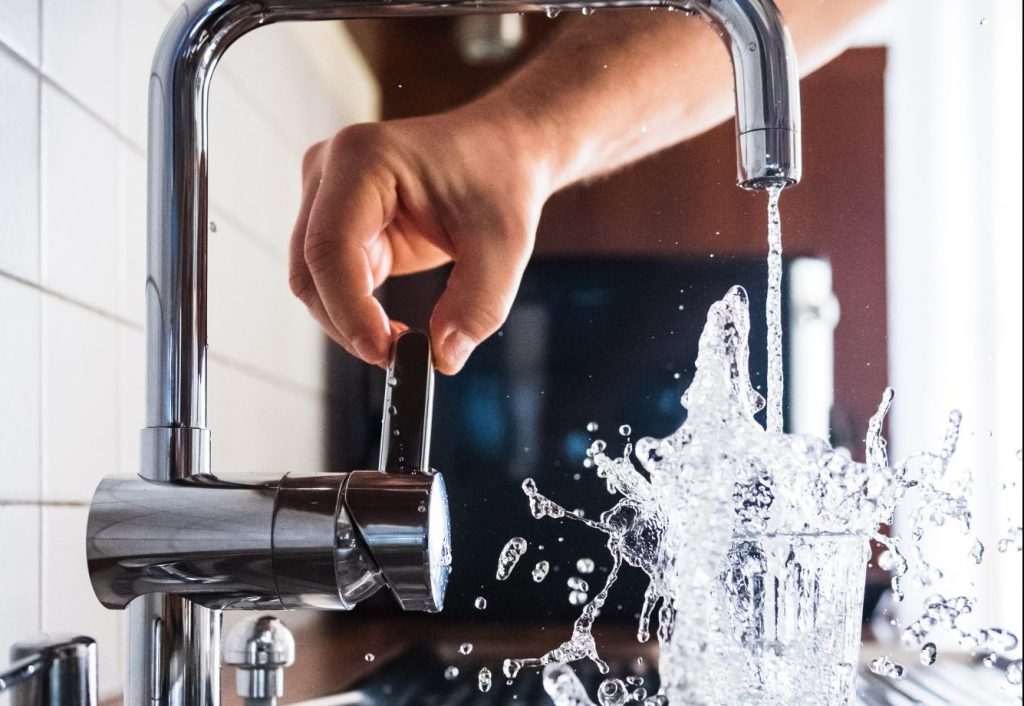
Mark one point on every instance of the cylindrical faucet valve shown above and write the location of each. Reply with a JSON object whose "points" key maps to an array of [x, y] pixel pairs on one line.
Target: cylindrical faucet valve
{"points": [[325, 541], [259, 649]]}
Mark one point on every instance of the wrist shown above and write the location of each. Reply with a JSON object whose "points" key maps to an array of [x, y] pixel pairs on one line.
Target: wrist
{"points": [[535, 142]]}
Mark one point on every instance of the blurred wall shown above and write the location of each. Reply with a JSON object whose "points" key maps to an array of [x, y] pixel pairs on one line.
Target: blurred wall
{"points": [[73, 83]]}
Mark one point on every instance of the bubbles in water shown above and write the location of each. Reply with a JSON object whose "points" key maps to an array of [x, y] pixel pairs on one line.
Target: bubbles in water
{"points": [[451, 673], [612, 692], [480, 603], [585, 565], [465, 648], [369, 657], [885, 667], [540, 571], [929, 653], [483, 679], [509, 557], [634, 680]]}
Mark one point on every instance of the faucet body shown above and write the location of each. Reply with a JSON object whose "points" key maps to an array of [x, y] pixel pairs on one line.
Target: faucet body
{"points": [[174, 623]]}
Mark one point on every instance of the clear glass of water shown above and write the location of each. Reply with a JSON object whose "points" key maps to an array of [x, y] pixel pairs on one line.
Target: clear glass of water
{"points": [[786, 620]]}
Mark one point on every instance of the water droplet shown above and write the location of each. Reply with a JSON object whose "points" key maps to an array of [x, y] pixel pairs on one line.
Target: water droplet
{"points": [[884, 666], [369, 656], [577, 598], [577, 584], [540, 571], [1013, 673], [612, 692], [509, 557], [592, 427], [752, 46], [483, 679], [585, 565], [982, 21], [392, 410], [451, 673], [587, 11], [625, 430], [480, 603], [465, 648], [552, 12], [929, 653], [978, 551], [213, 227]]}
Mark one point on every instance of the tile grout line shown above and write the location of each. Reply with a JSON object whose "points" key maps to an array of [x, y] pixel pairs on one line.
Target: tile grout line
{"points": [[253, 371], [99, 311], [21, 502], [40, 554]]}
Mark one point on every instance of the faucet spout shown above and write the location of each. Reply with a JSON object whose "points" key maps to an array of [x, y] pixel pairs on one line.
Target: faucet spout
{"points": [[767, 90]]}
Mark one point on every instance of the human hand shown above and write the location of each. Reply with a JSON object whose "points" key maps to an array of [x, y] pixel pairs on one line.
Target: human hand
{"points": [[392, 198]]}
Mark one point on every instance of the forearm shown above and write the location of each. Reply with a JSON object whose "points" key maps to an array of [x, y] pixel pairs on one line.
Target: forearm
{"points": [[616, 86]]}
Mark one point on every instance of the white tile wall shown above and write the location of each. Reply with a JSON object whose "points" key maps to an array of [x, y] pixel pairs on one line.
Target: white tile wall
{"points": [[80, 51], [19, 391], [19, 27], [79, 400], [20, 541], [73, 82], [79, 202], [19, 179]]}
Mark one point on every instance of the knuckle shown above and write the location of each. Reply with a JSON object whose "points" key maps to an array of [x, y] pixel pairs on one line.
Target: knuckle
{"points": [[319, 252], [301, 285], [484, 318], [311, 158], [360, 140]]}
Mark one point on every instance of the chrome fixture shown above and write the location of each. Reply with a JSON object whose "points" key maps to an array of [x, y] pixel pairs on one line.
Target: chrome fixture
{"points": [[177, 568], [57, 670], [324, 541], [259, 649]]}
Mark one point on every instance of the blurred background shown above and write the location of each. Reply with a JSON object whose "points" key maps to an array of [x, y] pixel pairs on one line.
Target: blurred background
{"points": [[903, 269]]}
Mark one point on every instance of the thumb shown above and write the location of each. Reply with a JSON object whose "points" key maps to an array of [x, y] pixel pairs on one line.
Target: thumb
{"points": [[476, 300]]}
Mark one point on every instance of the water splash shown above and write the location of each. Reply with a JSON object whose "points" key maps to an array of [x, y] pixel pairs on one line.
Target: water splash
{"points": [[726, 518], [509, 557]]}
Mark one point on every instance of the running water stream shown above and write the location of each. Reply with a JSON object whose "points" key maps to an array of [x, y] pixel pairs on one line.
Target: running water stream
{"points": [[727, 518]]}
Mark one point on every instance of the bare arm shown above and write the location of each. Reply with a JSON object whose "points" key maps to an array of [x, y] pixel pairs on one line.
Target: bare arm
{"points": [[468, 185]]}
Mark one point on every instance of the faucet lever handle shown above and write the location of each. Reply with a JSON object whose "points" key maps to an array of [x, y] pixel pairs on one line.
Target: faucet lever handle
{"points": [[408, 406]]}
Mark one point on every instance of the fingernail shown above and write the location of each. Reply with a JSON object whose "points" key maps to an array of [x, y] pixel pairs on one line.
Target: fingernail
{"points": [[366, 349], [457, 347]]}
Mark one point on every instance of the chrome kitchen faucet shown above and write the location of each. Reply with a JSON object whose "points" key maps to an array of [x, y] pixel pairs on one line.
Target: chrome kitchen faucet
{"points": [[176, 544]]}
